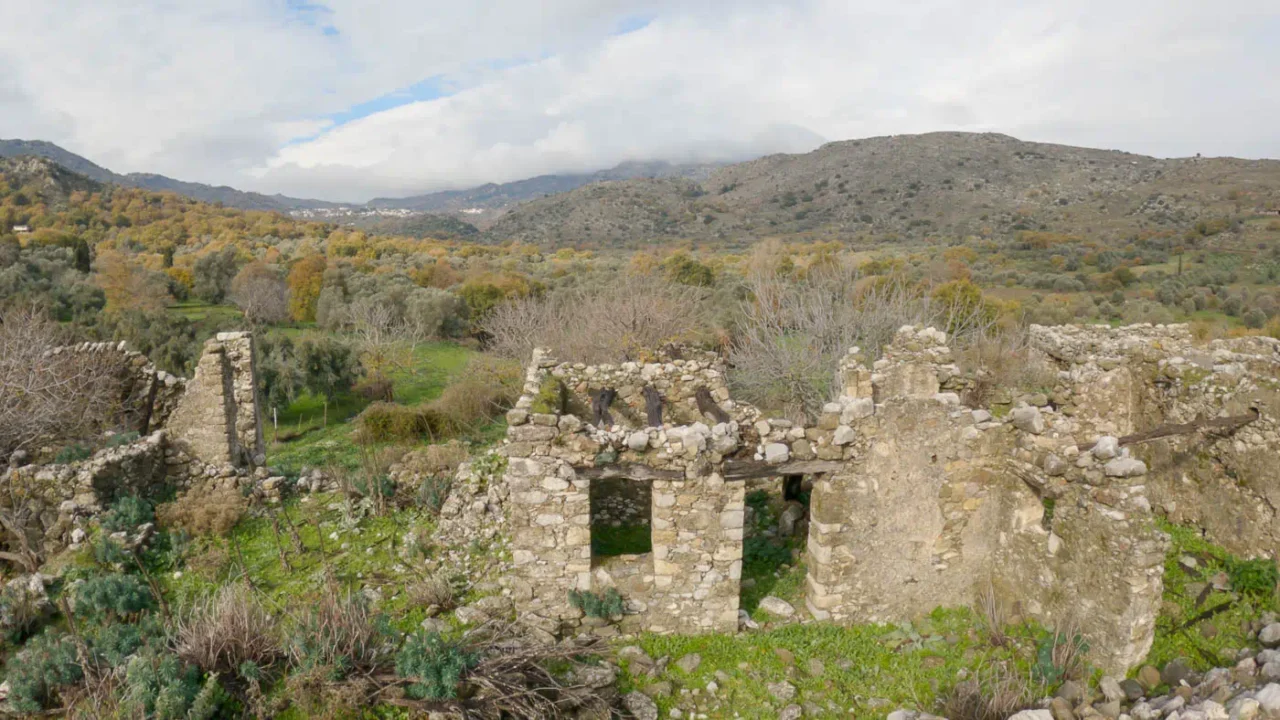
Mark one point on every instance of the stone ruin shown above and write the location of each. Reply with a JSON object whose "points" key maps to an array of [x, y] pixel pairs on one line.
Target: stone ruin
{"points": [[203, 429], [917, 500]]}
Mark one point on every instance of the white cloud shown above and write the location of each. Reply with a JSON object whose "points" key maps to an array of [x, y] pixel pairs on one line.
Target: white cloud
{"points": [[224, 94]]}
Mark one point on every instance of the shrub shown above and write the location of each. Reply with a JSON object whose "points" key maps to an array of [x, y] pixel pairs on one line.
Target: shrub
{"points": [[115, 643], [159, 685], [339, 634], [113, 597], [597, 605], [226, 630], [993, 695], [122, 439], [1002, 360], [207, 508], [127, 513], [434, 665], [39, 672], [634, 313], [485, 390], [377, 390], [433, 590], [73, 453], [388, 422], [1253, 577]]}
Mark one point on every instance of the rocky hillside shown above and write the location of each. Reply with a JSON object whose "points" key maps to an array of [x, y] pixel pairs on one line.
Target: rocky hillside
{"points": [[157, 183], [487, 201], [908, 186]]}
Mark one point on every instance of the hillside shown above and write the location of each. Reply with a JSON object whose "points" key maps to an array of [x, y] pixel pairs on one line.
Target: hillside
{"points": [[157, 183], [906, 187], [494, 197]]}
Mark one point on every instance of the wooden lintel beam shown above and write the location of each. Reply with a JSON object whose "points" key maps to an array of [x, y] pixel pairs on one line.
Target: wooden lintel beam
{"points": [[732, 470], [1223, 424], [747, 469]]}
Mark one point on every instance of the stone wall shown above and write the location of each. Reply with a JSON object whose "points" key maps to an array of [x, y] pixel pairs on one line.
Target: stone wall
{"points": [[206, 427], [218, 418], [1132, 379], [148, 394], [918, 501], [50, 501], [690, 581]]}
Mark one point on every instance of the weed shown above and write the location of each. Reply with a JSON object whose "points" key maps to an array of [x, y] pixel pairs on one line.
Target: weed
{"points": [[73, 453], [205, 509], [113, 597], [127, 513], [597, 605], [433, 665], [121, 439], [1256, 578], [227, 629], [41, 670], [338, 634]]}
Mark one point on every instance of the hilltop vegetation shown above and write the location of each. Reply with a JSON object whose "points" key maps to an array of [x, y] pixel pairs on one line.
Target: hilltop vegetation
{"points": [[939, 187]]}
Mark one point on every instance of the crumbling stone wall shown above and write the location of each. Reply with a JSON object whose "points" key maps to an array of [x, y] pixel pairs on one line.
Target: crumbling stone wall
{"points": [[938, 503], [218, 418], [50, 501], [918, 501], [1133, 379], [690, 581], [206, 428], [149, 395]]}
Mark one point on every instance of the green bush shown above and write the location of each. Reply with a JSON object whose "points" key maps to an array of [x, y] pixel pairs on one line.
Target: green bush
{"points": [[761, 555], [122, 439], [159, 685], [434, 664], [1257, 578], [127, 513], [109, 553], [113, 597], [73, 453], [40, 670], [597, 605], [388, 422], [115, 643]]}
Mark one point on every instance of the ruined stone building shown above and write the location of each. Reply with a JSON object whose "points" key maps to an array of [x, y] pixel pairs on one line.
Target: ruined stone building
{"points": [[1050, 499], [918, 501], [207, 428]]}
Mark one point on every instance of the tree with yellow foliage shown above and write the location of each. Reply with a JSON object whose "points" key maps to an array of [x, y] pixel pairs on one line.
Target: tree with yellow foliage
{"points": [[127, 285], [306, 278]]}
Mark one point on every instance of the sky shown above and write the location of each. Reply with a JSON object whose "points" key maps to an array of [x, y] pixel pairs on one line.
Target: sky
{"points": [[351, 99]]}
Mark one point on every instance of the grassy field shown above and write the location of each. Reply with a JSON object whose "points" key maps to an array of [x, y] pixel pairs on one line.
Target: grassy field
{"points": [[302, 436]]}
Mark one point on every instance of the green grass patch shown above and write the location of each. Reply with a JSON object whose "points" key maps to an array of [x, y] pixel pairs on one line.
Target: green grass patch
{"points": [[866, 670], [1199, 621], [338, 541], [304, 438]]}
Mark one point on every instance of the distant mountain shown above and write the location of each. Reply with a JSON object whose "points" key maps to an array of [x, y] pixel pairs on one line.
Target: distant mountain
{"points": [[494, 197], [159, 183], [902, 187]]}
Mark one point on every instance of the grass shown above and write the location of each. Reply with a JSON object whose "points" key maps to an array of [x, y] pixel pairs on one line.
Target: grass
{"points": [[304, 439], [1202, 628], [767, 565], [866, 670], [338, 544]]}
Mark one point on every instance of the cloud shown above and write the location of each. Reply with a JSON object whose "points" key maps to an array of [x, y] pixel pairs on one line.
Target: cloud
{"points": [[259, 94]]}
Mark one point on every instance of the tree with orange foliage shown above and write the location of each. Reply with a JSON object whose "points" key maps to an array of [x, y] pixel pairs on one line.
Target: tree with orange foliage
{"points": [[306, 279], [128, 285]]}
